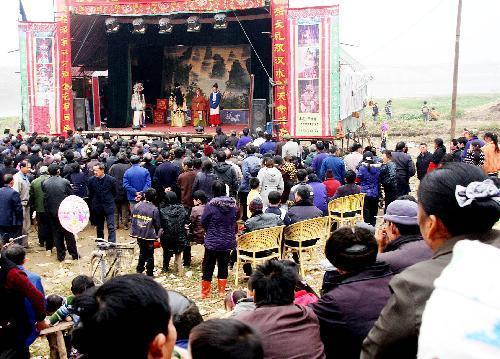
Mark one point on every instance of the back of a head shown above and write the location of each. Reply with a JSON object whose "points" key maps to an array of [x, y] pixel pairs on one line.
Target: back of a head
{"points": [[221, 156], [225, 338], [185, 314], [273, 283], [274, 197], [15, 253], [301, 175], [245, 131], [170, 198], [200, 196], [53, 169], [350, 177], [333, 149], [351, 249], [207, 166], [135, 159], [320, 146], [400, 146], [439, 142], [219, 188], [110, 310], [150, 195], [303, 192], [81, 283], [251, 149], [439, 194], [254, 183]]}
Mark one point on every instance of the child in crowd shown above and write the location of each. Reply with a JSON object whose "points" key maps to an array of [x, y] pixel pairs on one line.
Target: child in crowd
{"points": [[197, 232], [78, 285], [145, 228], [275, 207], [254, 191], [237, 302], [54, 302]]}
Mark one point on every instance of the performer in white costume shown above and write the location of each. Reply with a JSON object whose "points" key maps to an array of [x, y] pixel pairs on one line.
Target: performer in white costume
{"points": [[138, 103]]}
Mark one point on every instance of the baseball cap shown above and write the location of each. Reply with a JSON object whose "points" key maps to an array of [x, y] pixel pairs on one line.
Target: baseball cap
{"points": [[402, 212]]}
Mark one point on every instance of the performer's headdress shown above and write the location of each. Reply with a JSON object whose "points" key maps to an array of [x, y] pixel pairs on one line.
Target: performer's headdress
{"points": [[138, 87]]}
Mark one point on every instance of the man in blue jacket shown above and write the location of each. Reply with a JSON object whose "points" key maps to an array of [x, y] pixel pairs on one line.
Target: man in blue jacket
{"points": [[136, 180], [11, 210], [334, 163], [102, 194]]}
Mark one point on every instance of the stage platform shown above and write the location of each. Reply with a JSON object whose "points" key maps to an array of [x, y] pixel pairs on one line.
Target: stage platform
{"points": [[167, 132]]}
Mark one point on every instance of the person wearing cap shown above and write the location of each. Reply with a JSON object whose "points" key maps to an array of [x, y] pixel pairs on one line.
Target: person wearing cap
{"points": [[290, 148], [259, 219], [400, 243], [352, 296], [136, 180], [471, 135], [37, 204]]}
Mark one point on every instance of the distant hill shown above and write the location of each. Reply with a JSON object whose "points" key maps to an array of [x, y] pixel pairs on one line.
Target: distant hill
{"points": [[10, 91]]}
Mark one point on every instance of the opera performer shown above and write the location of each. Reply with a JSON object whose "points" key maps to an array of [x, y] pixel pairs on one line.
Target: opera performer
{"points": [[138, 104], [199, 109], [178, 116], [215, 99]]}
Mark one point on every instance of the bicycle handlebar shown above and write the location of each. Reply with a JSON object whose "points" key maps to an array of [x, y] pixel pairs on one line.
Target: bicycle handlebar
{"points": [[104, 244]]}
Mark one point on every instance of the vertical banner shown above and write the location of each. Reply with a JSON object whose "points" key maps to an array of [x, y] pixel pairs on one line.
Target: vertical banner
{"points": [[314, 88], [39, 74], [280, 61], [64, 61]]}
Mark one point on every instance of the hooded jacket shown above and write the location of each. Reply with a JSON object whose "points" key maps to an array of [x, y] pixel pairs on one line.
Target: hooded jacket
{"points": [[173, 220], [369, 179], [226, 173], [219, 221], [270, 179]]}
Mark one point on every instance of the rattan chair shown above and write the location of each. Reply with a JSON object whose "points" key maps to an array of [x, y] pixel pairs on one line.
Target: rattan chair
{"points": [[305, 236], [258, 246], [346, 211]]}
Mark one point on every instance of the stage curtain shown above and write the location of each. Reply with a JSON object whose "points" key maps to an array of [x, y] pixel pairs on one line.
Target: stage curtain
{"points": [[119, 83]]}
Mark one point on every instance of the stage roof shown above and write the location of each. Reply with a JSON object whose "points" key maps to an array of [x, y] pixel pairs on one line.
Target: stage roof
{"points": [[89, 40]]}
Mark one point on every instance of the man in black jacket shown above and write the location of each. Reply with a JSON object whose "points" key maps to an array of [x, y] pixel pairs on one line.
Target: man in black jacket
{"points": [[11, 210], [423, 161], [55, 190], [226, 173], [405, 168], [102, 194]]}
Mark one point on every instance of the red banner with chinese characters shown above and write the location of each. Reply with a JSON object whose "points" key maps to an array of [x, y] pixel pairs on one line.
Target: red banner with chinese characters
{"points": [[134, 7], [64, 52], [280, 61], [39, 75]]}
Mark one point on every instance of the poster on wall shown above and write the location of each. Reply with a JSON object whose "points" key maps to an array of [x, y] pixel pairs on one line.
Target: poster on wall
{"points": [[202, 66], [314, 91], [39, 76]]}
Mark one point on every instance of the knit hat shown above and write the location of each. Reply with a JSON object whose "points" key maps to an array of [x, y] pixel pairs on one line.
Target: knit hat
{"points": [[402, 212], [256, 205]]}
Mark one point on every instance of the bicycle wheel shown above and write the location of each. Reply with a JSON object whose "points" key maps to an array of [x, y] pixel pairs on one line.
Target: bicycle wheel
{"points": [[97, 262]]}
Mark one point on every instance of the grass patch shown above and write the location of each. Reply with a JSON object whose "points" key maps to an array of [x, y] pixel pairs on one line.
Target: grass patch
{"points": [[11, 123]]}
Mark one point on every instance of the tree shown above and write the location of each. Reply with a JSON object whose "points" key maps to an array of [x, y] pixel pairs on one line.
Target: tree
{"points": [[238, 77], [218, 67]]}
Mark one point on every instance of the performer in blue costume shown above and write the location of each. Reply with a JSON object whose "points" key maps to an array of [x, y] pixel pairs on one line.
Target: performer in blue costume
{"points": [[214, 100]]}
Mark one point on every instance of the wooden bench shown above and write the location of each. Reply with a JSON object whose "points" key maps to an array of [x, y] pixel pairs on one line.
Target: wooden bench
{"points": [[55, 337]]}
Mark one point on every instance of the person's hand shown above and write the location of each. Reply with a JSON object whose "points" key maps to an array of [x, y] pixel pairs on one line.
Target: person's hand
{"points": [[382, 238], [41, 325]]}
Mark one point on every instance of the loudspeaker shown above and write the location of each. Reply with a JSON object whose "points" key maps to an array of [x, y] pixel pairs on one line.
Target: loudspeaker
{"points": [[79, 113], [259, 114]]}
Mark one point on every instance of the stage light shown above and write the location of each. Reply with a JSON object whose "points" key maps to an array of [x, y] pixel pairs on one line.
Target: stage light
{"points": [[166, 26], [139, 26], [112, 25], [220, 21], [193, 24]]}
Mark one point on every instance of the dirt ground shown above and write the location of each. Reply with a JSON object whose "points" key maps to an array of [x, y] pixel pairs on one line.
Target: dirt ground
{"points": [[57, 276]]}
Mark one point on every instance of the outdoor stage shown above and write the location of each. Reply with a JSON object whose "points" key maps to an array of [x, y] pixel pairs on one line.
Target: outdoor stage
{"points": [[167, 132]]}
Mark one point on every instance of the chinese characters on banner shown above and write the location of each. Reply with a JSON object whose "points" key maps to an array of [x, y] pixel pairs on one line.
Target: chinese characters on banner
{"points": [[280, 61], [314, 88], [134, 7], [38, 75], [65, 84]]}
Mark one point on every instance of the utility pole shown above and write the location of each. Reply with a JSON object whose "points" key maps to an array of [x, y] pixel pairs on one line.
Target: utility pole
{"points": [[455, 73]]}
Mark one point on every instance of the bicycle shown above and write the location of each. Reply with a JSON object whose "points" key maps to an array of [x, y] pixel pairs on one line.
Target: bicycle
{"points": [[110, 259]]}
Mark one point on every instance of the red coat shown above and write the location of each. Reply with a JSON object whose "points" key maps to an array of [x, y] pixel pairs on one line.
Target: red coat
{"points": [[331, 186]]}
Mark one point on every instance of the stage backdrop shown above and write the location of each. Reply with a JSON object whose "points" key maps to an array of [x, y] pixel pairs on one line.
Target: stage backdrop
{"points": [[313, 90], [39, 74], [202, 66]]}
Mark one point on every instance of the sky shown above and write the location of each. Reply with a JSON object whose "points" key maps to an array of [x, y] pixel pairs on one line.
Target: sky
{"points": [[391, 38]]}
